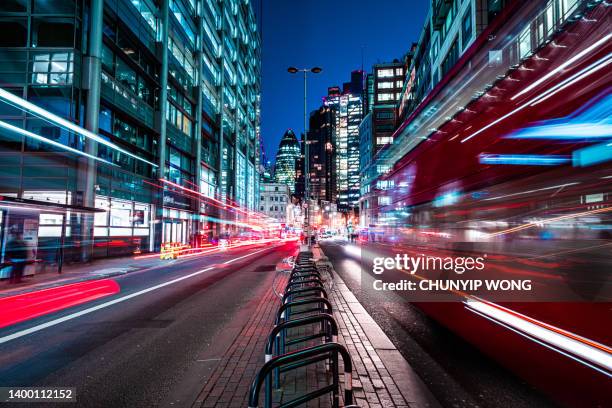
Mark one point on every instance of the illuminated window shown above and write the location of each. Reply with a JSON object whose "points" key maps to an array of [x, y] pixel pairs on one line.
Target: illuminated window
{"points": [[525, 42], [384, 200], [52, 69], [384, 73]]}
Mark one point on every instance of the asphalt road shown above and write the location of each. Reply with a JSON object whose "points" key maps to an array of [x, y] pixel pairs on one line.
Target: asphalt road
{"points": [[153, 349], [457, 373]]}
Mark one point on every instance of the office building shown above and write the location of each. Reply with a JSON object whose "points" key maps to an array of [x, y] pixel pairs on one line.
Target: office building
{"points": [[172, 90], [274, 200], [348, 112], [286, 160], [321, 136], [383, 91]]}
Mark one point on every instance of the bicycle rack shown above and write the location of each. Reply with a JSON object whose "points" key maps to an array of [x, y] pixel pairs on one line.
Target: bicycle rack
{"points": [[277, 337], [284, 310], [303, 284], [304, 276], [298, 293], [305, 292], [330, 331], [301, 358]]}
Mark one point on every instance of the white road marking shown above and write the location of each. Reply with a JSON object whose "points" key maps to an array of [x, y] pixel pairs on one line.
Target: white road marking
{"points": [[241, 257], [92, 309]]}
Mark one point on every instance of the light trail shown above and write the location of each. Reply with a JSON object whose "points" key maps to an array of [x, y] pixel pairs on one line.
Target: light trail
{"points": [[34, 136], [104, 305], [567, 63], [580, 349], [531, 191], [49, 117], [594, 67], [548, 221], [583, 350]]}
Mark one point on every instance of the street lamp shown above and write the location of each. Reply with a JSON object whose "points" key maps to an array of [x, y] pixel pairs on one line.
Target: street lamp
{"points": [[314, 70]]}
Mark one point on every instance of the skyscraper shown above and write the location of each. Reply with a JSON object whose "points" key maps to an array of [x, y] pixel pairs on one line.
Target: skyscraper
{"points": [[172, 90], [321, 137], [348, 112], [383, 91], [288, 154]]}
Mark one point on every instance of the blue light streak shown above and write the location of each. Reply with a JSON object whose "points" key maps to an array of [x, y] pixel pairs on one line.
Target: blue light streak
{"points": [[524, 159]]}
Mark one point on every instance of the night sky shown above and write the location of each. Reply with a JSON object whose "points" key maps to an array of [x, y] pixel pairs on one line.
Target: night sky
{"points": [[330, 34]]}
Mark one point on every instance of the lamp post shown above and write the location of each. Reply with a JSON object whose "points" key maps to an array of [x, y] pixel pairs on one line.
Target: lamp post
{"points": [[314, 70]]}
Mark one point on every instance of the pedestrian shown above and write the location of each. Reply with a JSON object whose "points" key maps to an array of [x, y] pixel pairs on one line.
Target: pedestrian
{"points": [[16, 251]]}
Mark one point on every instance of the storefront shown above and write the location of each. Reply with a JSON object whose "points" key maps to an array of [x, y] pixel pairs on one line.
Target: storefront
{"points": [[125, 227], [49, 229], [177, 226]]}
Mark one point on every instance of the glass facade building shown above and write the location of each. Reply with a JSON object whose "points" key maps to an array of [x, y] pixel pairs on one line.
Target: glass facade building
{"points": [[348, 112], [164, 96], [286, 160]]}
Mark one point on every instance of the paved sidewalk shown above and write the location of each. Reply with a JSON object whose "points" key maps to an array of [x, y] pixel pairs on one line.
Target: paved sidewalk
{"points": [[381, 376]]}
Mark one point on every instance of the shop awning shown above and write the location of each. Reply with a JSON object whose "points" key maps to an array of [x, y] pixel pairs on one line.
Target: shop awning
{"points": [[35, 205]]}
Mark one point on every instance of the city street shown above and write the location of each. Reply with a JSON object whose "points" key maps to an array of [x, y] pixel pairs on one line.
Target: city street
{"points": [[154, 348], [315, 203]]}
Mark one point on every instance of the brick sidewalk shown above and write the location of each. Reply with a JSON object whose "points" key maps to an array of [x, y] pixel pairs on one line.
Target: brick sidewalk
{"points": [[228, 385], [381, 376]]}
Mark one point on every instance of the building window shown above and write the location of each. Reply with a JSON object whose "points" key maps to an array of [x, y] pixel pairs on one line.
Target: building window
{"points": [[208, 182], [384, 115], [525, 42], [53, 6], [451, 58], [52, 32], [466, 28], [14, 32], [383, 140], [126, 75], [385, 85], [15, 6], [386, 97], [52, 68], [384, 73]]}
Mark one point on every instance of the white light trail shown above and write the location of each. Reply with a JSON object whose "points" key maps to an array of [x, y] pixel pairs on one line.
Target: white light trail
{"points": [[596, 66], [531, 191], [587, 351], [567, 63], [591, 69], [51, 118], [31, 135]]}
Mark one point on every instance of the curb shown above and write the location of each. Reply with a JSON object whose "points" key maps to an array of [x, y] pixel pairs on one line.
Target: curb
{"points": [[410, 385]]}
